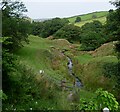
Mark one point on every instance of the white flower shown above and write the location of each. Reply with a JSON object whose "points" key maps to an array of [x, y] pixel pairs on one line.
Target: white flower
{"points": [[36, 102], [30, 108], [41, 71]]}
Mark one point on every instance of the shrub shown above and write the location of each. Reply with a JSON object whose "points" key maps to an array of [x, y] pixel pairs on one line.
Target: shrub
{"points": [[103, 99], [92, 35], [78, 19], [69, 32], [110, 69]]}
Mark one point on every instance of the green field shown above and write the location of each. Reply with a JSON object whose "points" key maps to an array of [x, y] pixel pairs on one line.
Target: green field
{"points": [[101, 19], [86, 18]]}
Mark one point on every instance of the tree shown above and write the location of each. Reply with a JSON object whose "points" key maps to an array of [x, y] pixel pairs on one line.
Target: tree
{"points": [[15, 25], [94, 16], [10, 8], [92, 35], [51, 26], [78, 19], [113, 30], [37, 28], [69, 32], [91, 40], [14, 31], [113, 23]]}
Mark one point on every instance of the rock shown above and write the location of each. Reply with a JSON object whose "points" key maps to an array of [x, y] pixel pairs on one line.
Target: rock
{"points": [[106, 109]]}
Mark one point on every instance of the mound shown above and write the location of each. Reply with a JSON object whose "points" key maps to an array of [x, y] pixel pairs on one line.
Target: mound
{"points": [[61, 42], [105, 50]]}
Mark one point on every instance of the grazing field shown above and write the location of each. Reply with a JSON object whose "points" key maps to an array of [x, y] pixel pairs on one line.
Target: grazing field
{"points": [[87, 18], [101, 19]]}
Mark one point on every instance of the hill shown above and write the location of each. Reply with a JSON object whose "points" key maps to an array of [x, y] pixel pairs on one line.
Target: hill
{"points": [[44, 54], [101, 16]]}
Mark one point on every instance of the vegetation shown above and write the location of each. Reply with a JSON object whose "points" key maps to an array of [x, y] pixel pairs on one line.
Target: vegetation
{"points": [[95, 62], [101, 19], [48, 27], [69, 32], [114, 30], [103, 99], [78, 19], [92, 35], [13, 19], [89, 16]]}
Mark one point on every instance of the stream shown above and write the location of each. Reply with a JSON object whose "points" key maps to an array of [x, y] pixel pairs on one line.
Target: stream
{"points": [[77, 81]]}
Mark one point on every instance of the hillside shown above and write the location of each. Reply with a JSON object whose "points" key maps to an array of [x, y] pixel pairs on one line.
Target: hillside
{"points": [[45, 54], [101, 16]]}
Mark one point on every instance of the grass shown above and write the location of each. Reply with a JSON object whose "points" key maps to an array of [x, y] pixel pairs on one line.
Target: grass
{"points": [[84, 58], [107, 49], [45, 54], [101, 19], [88, 16]]}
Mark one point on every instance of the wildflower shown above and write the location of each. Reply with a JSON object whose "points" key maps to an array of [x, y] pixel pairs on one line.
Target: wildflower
{"points": [[41, 71]]}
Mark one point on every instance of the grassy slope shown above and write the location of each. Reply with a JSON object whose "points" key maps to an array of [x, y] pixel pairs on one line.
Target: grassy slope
{"points": [[101, 19], [45, 54], [101, 16]]}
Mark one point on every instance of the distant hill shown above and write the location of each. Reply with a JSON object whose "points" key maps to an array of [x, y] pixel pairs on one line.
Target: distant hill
{"points": [[101, 16], [41, 20]]}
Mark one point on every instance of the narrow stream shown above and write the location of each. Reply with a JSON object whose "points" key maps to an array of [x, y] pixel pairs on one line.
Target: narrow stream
{"points": [[77, 81]]}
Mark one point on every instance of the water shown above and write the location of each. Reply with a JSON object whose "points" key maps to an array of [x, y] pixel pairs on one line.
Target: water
{"points": [[70, 65], [78, 82]]}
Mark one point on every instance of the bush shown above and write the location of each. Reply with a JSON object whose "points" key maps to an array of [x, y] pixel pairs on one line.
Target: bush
{"points": [[69, 32], [26, 87], [91, 40], [78, 19], [94, 16], [51, 26], [103, 99], [110, 69], [92, 36]]}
